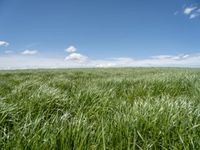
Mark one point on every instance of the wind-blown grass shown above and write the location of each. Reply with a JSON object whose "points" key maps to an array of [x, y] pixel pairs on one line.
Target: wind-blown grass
{"points": [[138, 108]]}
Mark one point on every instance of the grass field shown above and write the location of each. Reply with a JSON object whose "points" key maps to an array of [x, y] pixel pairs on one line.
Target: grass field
{"points": [[130, 108]]}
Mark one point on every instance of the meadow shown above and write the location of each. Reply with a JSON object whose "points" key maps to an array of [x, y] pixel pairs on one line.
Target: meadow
{"points": [[115, 108]]}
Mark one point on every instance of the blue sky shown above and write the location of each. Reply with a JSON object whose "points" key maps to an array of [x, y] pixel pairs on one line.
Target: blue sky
{"points": [[99, 32]]}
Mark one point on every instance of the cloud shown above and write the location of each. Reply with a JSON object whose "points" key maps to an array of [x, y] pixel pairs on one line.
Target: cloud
{"points": [[29, 52], [76, 57], [192, 12], [76, 60], [8, 52], [71, 49], [182, 60], [194, 15], [170, 57], [23, 62], [188, 10], [162, 57], [4, 43]]}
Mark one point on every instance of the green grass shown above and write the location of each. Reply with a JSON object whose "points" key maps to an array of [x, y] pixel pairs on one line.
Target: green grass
{"points": [[130, 108]]}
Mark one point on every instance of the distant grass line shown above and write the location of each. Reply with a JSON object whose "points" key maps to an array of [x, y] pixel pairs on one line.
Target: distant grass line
{"points": [[129, 108]]}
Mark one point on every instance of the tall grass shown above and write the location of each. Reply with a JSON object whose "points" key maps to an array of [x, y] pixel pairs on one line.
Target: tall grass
{"points": [[132, 108]]}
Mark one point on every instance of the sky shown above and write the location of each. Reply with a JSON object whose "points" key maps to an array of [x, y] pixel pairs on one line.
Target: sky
{"points": [[99, 33]]}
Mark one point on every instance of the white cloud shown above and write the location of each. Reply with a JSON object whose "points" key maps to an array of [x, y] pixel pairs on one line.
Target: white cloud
{"points": [[105, 65], [188, 10], [29, 52], [192, 16], [8, 52], [154, 61], [77, 60], [23, 62], [71, 49], [192, 12], [76, 57], [4, 43], [185, 56], [162, 57], [170, 57]]}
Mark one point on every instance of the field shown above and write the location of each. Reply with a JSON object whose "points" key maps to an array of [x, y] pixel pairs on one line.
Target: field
{"points": [[130, 108]]}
